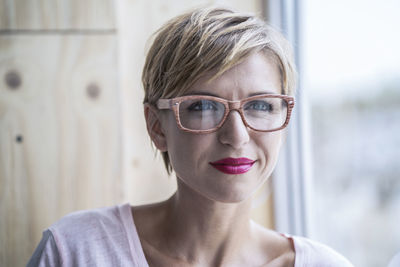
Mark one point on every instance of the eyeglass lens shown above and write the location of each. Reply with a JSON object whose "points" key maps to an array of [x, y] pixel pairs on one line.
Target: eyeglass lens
{"points": [[263, 114]]}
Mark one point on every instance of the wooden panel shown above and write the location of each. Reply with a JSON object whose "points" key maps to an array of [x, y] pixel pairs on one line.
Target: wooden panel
{"points": [[56, 14], [253, 6], [59, 134]]}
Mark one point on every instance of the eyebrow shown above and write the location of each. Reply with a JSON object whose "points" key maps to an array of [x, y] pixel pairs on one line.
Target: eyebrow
{"points": [[201, 93], [263, 93]]}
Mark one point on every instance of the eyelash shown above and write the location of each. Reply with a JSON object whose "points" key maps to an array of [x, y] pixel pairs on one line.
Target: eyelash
{"points": [[265, 106], [194, 106]]}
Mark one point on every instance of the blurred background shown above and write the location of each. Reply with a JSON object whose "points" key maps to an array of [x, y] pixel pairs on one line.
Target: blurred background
{"points": [[351, 75], [72, 132]]}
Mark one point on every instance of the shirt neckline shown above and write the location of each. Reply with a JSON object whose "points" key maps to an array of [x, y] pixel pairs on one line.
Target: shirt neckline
{"points": [[133, 237], [136, 246]]}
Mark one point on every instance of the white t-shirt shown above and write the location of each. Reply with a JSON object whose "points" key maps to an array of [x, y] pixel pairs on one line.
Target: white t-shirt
{"points": [[108, 237]]}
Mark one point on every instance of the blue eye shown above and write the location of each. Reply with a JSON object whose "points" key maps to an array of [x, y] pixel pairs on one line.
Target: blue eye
{"points": [[259, 105], [203, 105]]}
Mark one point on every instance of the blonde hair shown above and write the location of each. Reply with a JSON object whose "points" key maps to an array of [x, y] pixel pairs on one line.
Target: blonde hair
{"points": [[209, 40]]}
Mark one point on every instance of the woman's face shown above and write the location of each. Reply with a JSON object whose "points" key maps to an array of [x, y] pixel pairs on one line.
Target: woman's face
{"points": [[191, 154]]}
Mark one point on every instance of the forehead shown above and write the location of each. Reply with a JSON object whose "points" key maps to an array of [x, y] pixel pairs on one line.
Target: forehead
{"points": [[256, 74]]}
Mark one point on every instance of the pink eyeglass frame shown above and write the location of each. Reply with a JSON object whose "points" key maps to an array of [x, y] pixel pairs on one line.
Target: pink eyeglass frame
{"points": [[174, 103]]}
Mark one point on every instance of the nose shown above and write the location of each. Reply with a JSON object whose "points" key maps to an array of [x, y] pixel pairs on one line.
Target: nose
{"points": [[234, 132]]}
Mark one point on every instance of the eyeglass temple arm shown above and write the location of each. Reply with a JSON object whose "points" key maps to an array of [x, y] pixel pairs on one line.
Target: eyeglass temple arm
{"points": [[164, 104]]}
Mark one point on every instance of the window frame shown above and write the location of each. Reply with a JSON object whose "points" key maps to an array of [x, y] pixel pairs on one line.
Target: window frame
{"points": [[292, 178]]}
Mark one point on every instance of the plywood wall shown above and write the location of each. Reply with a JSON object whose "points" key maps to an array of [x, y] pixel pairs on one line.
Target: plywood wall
{"points": [[60, 121], [72, 132]]}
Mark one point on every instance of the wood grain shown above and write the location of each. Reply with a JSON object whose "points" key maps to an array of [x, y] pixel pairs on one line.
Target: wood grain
{"points": [[57, 15], [69, 155]]}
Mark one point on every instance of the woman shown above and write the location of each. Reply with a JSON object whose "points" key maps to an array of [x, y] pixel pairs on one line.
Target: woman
{"points": [[218, 95]]}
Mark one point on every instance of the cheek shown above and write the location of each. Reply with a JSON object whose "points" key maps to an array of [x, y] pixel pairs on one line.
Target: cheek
{"points": [[187, 151], [181, 151], [271, 145]]}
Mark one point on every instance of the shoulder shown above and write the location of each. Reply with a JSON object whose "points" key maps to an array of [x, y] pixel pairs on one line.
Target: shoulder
{"points": [[273, 247], [313, 253], [80, 228], [97, 236], [46, 253], [87, 221]]}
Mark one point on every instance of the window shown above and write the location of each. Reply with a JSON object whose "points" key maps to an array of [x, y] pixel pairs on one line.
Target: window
{"points": [[346, 130], [352, 74]]}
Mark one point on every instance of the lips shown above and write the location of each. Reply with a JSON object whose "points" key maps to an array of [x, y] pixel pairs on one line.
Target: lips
{"points": [[233, 165]]}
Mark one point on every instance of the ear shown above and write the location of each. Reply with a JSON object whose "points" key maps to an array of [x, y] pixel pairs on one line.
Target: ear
{"points": [[154, 127]]}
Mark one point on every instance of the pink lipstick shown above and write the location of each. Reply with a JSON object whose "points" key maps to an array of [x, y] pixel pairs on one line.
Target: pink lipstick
{"points": [[233, 165]]}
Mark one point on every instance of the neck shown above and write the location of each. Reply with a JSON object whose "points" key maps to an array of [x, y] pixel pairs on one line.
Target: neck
{"points": [[219, 229]]}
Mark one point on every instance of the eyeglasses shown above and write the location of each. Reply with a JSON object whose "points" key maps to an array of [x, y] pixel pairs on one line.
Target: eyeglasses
{"points": [[206, 114]]}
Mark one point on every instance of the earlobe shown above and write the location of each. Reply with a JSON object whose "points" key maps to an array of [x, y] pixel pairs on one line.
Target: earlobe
{"points": [[154, 127]]}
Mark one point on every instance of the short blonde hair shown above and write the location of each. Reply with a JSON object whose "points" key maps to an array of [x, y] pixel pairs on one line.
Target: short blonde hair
{"points": [[209, 40]]}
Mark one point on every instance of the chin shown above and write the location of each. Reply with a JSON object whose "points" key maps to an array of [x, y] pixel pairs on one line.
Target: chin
{"points": [[223, 192]]}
